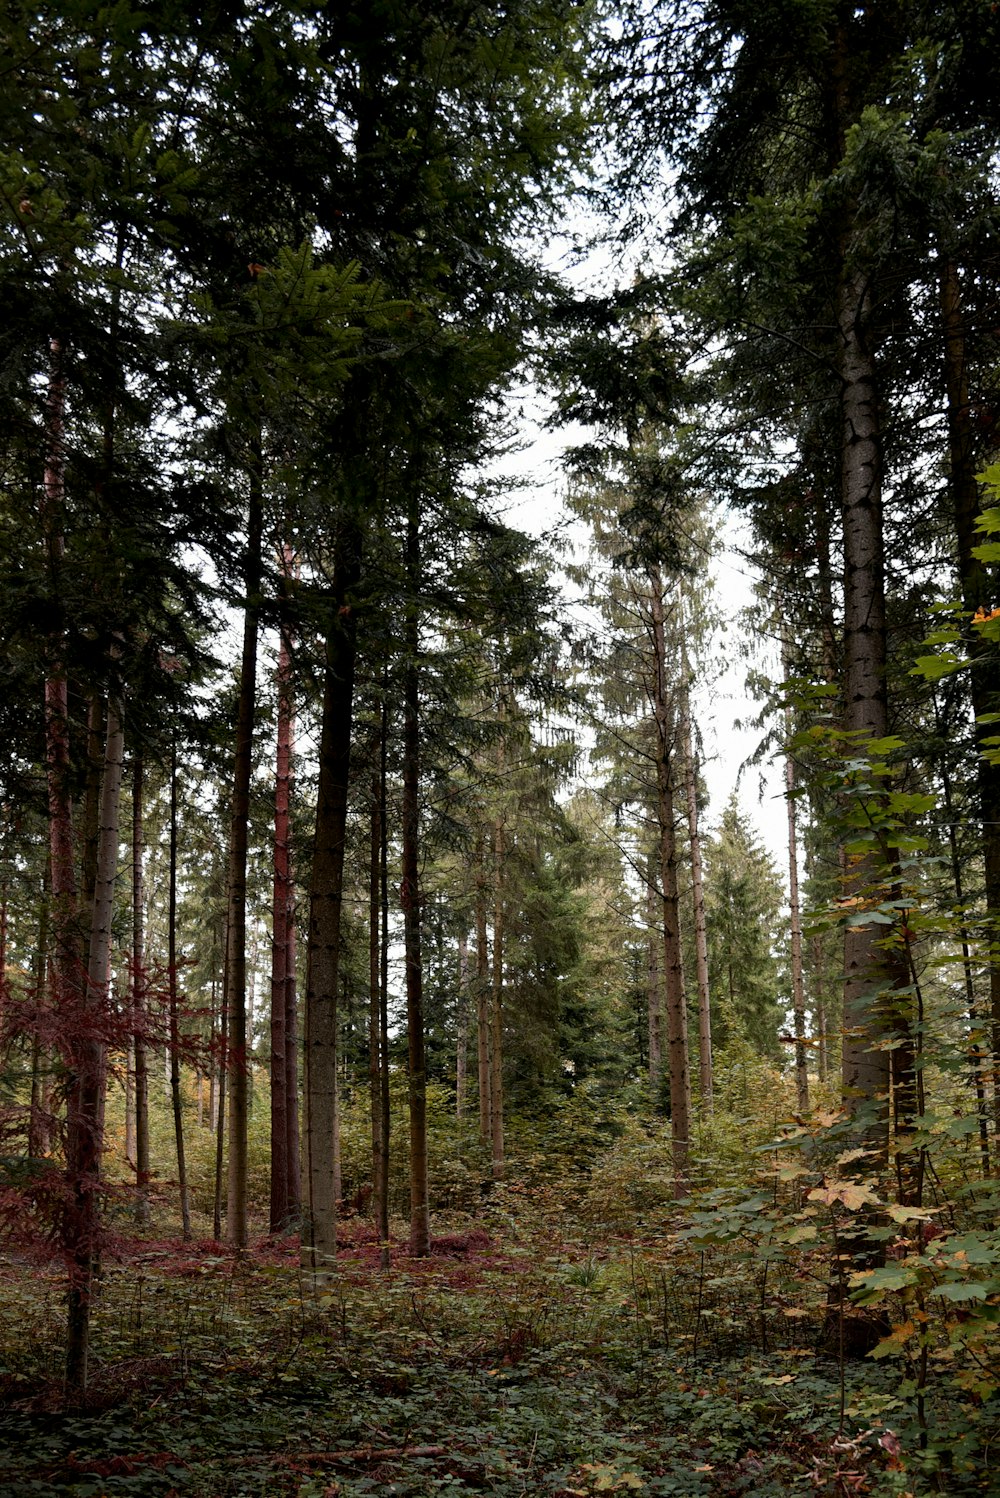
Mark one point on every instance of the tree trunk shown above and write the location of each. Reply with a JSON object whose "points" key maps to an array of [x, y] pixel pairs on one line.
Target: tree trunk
{"points": [[680, 1093], [84, 1103], [654, 985], [411, 902], [462, 1024], [39, 1124], [375, 1058], [138, 1003], [281, 1204], [319, 1243], [236, 937], [383, 994], [482, 996], [795, 926], [220, 1122], [698, 898], [977, 592], [496, 1010], [175, 1057], [865, 1062]]}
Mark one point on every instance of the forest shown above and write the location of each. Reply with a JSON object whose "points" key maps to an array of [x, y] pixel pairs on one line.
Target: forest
{"points": [[411, 1080]]}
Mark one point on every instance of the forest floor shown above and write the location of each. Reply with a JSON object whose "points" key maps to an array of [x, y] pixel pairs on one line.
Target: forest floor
{"points": [[513, 1360]]}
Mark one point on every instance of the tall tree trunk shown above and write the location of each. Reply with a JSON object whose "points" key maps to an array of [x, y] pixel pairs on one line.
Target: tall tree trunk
{"points": [[865, 1061], [375, 1058], [319, 1244], [236, 937], [654, 983], [138, 1002], [383, 994], [84, 1104], [411, 901], [795, 925], [680, 1092], [462, 1024], [819, 1007], [281, 1205], [173, 1018], [482, 995], [496, 1009], [220, 1121], [698, 897], [977, 592], [66, 965], [39, 1127], [979, 1058]]}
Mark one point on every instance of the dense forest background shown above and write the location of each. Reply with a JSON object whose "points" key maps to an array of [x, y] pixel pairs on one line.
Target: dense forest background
{"points": [[361, 904]]}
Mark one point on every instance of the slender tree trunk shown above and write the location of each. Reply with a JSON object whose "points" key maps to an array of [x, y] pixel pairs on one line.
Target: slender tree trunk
{"points": [[865, 1062], [819, 1007], [795, 925], [281, 1206], [979, 1058], [319, 1245], [412, 903], [375, 1058], [236, 965], [66, 965], [292, 1066], [680, 1092], [138, 1001], [654, 984], [84, 1106], [698, 898], [39, 1129], [977, 592], [383, 993], [496, 1009], [482, 996], [220, 1121], [173, 1019], [462, 1024]]}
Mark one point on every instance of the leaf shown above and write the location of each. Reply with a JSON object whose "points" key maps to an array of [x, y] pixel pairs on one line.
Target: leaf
{"points": [[850, 1194], [911, 1214], [895, 1341], [935, 667], [963, 1290]]}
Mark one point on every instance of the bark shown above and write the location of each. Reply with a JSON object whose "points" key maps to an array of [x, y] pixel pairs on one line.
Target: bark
{"points": [[411, 903], [91, 811], [654, 985], [220, 1122], [172, 1001], [383, 998], [865, 1064], [39, 1130], [281, 1203], [236, 937], [319, 1244], [795, 927], [462, 1024], [976, 585], [698, 899], [482, 996], [680, 1092], [496, 1010], [979, 1059], [375, 1059], [819, 1007], [84, 1102], [138, 1003]]}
